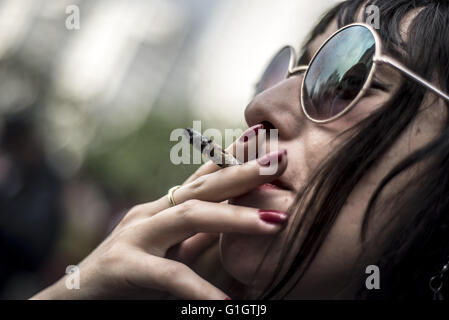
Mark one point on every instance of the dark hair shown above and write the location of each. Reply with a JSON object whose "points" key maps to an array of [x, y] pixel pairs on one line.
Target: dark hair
{"points": [[416, 238]]}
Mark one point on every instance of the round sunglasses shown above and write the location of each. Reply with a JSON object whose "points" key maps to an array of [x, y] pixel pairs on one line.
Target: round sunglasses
{"points": [[339, 74]]}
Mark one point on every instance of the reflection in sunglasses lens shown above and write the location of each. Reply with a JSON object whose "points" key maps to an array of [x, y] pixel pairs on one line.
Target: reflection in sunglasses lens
{"points": [[276, 71], [338, 73]]}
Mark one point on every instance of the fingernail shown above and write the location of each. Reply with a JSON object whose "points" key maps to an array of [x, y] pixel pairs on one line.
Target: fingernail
{"points": [[254, 130], [272, 216], [227, 298], [268, 158]]}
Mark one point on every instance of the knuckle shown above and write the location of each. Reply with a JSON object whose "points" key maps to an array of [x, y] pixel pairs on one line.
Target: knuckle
{"points": [[237, 214], [173, 271], [248, 170], [131, 214], [189, 206], [135, 210], [112, 257], [186, 211], [243, 217], [198, 187]]}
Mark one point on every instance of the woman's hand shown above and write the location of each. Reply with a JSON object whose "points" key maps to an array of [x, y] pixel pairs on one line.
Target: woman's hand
{"points": [[133, 260], [193, 248]]}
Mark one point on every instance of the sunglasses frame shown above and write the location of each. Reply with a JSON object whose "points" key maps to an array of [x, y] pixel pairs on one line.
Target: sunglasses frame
{"points": [[378, 58]]}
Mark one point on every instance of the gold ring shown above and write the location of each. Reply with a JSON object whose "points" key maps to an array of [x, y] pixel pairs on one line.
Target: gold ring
{"points": [[171, 199]]}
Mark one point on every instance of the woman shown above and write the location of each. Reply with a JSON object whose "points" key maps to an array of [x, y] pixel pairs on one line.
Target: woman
{"points": [[368, 187]]}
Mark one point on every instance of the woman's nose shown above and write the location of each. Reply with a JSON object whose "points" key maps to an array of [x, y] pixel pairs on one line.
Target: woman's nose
{"points": [[280, 106]]}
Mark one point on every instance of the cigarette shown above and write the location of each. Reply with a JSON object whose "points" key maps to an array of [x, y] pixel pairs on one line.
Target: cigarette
{"points": [[210, 149]]}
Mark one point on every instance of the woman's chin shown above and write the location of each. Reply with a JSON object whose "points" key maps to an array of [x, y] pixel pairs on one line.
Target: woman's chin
{"points": [[242, 257], [252, 259]]}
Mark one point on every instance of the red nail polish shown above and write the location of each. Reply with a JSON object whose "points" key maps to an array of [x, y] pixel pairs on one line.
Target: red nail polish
{"points": [[254, 130], [280, 155], [272, 216]]}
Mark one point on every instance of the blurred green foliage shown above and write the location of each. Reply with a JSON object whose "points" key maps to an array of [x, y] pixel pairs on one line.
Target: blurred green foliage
{"points": [[139, 165]]}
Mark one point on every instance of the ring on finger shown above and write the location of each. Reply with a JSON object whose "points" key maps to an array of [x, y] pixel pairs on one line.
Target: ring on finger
{"points": [[170, 195]]}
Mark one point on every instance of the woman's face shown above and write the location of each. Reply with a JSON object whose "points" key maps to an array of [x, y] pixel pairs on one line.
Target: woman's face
{"points": [[308, 144]]}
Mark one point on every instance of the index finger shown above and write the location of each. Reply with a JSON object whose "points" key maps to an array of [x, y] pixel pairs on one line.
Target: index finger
{"points": [[226, 183], [241, 142], [185, 192]]}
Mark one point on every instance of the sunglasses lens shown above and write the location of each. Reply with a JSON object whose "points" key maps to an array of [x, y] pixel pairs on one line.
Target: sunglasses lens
{"points": [[276, 71], [338, 73]]}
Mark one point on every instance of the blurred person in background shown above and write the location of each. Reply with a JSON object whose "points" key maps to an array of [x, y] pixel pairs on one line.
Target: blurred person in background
{"points": [[30, 213], [367, 188]]}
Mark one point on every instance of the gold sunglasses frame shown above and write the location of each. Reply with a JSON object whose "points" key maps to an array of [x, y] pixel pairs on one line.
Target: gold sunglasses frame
{"points": [[378, 58]]}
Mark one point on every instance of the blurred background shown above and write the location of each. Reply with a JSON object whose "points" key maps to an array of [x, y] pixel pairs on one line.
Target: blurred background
{"points": [[86, 114]]}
